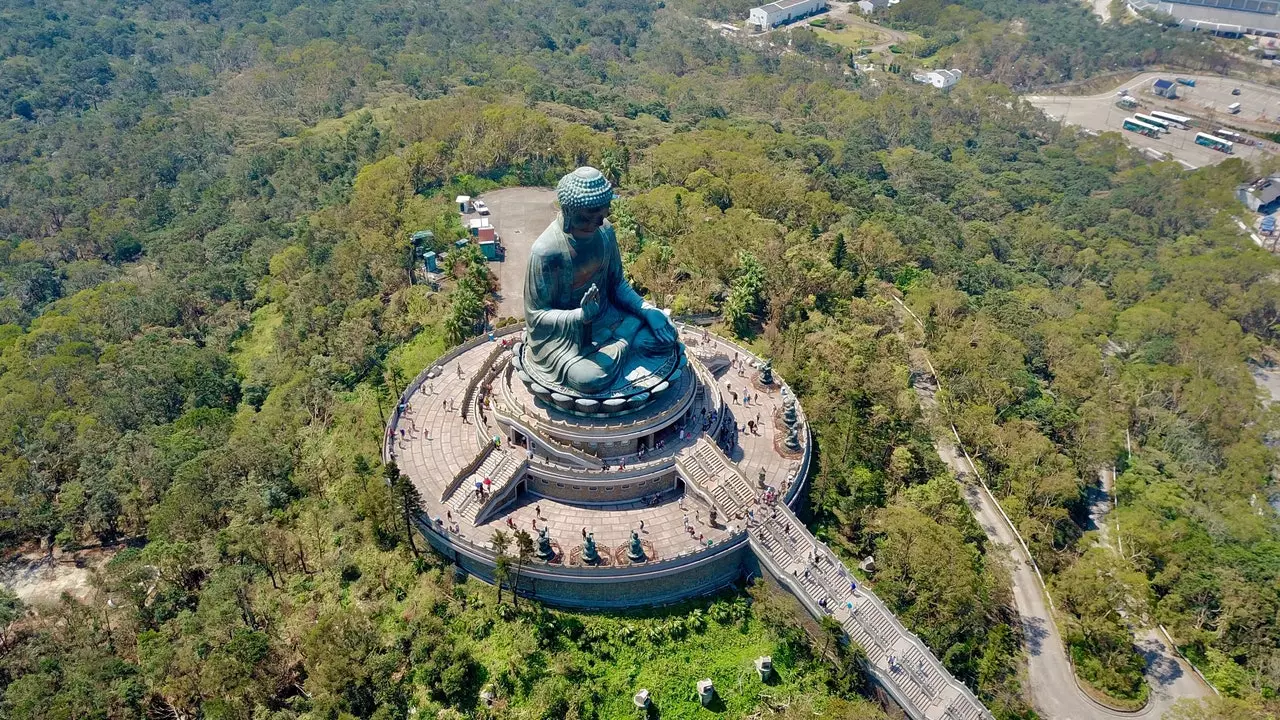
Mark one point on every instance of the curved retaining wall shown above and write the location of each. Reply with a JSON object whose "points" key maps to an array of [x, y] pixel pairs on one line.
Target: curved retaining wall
{"points": [[690, 575]]}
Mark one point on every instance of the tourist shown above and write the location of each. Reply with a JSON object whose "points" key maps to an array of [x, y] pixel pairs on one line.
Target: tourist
{"points": [[449, 514], [488, 484], [686, 520], [479, 489], [459, 369], [746, 397], [529, 452], [537, 510], [511, 523], [734, 395], [853, 586]]}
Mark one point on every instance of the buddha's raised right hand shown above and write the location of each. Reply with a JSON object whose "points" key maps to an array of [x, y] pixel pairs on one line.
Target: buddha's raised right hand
{"points": [[590, 303]]}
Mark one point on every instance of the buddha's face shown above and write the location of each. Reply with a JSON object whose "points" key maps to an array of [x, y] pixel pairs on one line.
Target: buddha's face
{"points": [[585, 222]]}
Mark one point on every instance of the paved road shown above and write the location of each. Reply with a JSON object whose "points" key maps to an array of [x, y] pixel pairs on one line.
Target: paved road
{"points": [[519, 215], [1054, 691]]}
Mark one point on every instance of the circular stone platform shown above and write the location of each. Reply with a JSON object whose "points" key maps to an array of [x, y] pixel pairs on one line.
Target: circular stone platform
{"points": [[659, 470]]}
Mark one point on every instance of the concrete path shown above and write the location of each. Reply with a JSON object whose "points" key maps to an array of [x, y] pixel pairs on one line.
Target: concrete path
{"points": [[519, 215]]}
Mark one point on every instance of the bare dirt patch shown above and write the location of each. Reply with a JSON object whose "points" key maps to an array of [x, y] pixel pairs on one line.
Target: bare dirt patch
{"points": [[40, 578]]}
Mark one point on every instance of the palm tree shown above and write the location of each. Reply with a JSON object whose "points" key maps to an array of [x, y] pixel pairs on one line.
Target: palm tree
{"points": [[502, 566]]}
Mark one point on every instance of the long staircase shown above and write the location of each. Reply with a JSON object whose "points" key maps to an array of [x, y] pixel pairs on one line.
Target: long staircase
{"points": [[897, 659]]}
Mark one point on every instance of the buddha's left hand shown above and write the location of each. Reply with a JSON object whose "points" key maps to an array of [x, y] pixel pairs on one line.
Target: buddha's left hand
{"points": [[660, 324]]}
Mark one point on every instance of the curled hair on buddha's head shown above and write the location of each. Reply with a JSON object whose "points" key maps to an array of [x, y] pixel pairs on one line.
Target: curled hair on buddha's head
{"points": [[583, 189]]}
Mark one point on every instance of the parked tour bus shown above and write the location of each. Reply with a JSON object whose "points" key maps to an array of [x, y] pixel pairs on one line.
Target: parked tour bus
{"points": [[1136, 125], [1181, 121], [1217, 143], [1162, 124]]}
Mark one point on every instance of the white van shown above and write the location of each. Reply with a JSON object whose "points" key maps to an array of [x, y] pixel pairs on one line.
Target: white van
{"points": [[1234, 108]]}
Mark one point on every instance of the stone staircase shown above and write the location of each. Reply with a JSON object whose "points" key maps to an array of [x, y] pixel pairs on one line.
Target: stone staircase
{"points": [[501, 468], [915, 678]]}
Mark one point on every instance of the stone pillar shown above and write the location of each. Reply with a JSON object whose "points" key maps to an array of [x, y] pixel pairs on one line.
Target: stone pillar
{"points": [[706, 691]]}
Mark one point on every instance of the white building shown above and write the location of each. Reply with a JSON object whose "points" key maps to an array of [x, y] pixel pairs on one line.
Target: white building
{"points": [[782, 12], [940, 79], [869, 6]]}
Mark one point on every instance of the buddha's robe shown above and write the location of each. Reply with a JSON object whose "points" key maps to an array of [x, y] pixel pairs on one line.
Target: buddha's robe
{"points": [[559, 349]]}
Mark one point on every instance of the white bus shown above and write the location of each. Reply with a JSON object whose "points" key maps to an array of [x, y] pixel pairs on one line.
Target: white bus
{"points": [[1136, 125], [1182, 121], [1216, 143], [1162, 124]]}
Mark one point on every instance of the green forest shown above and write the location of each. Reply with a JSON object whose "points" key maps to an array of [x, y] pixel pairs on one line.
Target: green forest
{"points": [[206, 311]]}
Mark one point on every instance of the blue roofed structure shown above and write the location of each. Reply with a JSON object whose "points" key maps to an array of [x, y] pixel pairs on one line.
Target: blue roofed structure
{"points": [[1164, 88]]}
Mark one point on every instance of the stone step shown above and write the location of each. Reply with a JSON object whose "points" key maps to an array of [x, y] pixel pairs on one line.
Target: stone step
{"points": [[924, 671], [503, 474], [722, 498], [465, 497]]}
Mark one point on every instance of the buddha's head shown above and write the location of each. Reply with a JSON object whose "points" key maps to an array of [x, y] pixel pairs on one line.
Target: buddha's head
{"points": [[585, 195]]}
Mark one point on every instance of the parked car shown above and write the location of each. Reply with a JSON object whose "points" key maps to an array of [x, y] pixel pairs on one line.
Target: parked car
{"points": [[1235, 91], [481, 207]]}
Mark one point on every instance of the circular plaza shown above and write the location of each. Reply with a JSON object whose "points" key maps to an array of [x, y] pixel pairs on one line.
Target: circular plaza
{"points": [[627, 506]]}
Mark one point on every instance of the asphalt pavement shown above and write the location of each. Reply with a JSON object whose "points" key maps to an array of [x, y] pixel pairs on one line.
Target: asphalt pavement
{"points": [[519, 215]]}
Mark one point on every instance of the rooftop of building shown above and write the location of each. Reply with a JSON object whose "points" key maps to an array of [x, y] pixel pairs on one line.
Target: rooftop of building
{"points": [[785, 5]]}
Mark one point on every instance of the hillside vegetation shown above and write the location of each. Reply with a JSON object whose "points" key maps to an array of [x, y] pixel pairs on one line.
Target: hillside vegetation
{"points": [[205, 310]]}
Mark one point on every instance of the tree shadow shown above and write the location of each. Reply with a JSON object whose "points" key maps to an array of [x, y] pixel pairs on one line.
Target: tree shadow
{"points": [[1034, 630], [1161, 668]]}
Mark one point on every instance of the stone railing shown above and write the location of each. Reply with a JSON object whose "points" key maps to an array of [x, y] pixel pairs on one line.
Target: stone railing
{"points": [[485, 451], [431, 371], [566, 452], [536, 569], [777, 567]]}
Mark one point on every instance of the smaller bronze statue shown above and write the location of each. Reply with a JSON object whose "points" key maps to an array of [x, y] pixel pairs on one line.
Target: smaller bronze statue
{"points": [[766, 373], [793, 439], [789, 411], [589, 552], [545, 551], [636, 551]]}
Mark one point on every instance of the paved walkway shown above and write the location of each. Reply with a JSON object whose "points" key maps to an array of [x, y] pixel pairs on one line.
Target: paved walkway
{"points": [[437, 445]]}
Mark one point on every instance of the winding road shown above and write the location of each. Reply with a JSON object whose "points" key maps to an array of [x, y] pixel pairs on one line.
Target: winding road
{"points": [[1054, 690]]}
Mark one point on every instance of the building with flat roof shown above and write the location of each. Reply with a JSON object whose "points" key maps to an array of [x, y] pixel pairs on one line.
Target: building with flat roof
{"points": [[1164, 88], [1217, 19], [783, 12], [941, 79]]}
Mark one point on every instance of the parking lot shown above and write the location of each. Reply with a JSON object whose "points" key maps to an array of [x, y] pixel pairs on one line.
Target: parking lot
{"points": [[1206, 104], [519, 215]]}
